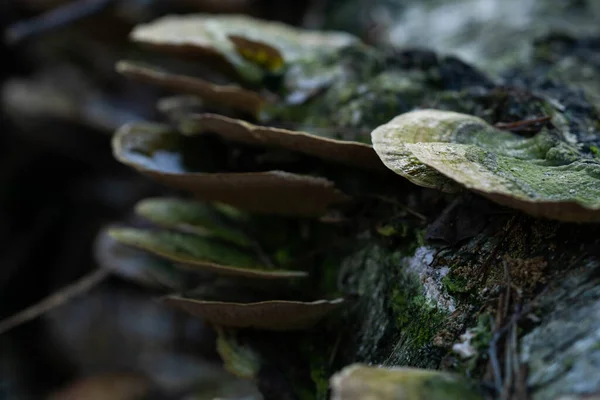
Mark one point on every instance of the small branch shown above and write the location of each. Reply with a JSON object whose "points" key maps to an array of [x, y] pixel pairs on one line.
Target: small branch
{"points": [[527, 124], [399, 204], [54, 300], [56, 18]]}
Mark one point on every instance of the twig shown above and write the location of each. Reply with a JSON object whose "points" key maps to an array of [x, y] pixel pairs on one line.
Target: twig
{"points": [[484, 268], [397, 203], [54, 300], [493, 351], [336, 347], [517, 369], [500, 382], [56, 18], [521, 385], [505, 395], [521, 124]]}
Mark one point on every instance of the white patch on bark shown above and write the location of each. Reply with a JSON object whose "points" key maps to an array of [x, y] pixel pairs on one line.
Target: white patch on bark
{"points": [[431, 278]]}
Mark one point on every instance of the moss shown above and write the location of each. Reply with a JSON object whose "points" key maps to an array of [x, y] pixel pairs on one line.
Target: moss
{"points": [[316, 351], [369, 275], [456, 283], [239, 359], [595, 151], [416, 318], [483, 332], [365, 382], [402, 235], [387, 230], [328, 276], [482, 336], [320, 376]]}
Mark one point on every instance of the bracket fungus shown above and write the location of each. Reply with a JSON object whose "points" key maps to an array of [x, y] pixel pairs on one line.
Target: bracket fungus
{"points": [[137, 265], [156, 150], [200, 154], [275, 315], [224, 302], [208, 238], [232, 96], [250, 46], [346, 152], [189, 216], [257, 49], [194, 252], [361, 382], [332, 88], [543, 175]]}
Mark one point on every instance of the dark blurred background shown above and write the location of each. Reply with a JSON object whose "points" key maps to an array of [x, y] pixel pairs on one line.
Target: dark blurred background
{"points": [[59, 184]]}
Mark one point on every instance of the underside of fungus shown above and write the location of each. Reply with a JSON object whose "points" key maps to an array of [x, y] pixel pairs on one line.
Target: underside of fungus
{"points": [[158, 151]]}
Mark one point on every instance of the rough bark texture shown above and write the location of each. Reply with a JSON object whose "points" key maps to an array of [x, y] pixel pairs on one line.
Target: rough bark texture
{"points": [[524, 290], [417, 301]]}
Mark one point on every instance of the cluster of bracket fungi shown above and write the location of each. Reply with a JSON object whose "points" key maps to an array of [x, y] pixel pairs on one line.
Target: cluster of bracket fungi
{"points": [[282, 71]]}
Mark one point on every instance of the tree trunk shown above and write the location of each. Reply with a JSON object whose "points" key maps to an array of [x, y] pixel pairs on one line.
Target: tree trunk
{"points": [[524, 290]]}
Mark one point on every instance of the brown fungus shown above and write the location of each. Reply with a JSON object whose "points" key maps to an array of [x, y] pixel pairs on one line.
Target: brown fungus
{"points": [[341, 151], [231, 96], [275, 315], [152, 149]]}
